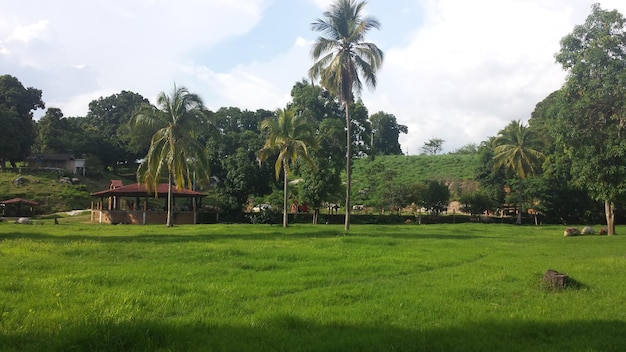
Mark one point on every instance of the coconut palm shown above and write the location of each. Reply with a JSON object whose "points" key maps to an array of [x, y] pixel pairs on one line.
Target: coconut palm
{"points": [[288, 135], [514, 151], [341, 57], [174, 147]]}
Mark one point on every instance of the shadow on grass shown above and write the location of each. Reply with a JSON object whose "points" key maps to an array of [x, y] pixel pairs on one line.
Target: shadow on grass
{"points": [[289, 333], [264, 235]]}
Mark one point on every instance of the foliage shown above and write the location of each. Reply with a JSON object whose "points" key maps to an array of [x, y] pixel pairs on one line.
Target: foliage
{"points": [[434, 146], [474, 287], [592, 114], [476, 203], [108, 123], [16, 118], [341, 57], [385, 134], [435, 197], [174, 148], [514, 152], [289, 136]]}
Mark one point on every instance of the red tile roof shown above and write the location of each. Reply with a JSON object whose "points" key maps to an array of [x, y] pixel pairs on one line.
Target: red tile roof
{"points": [[139, 190]]}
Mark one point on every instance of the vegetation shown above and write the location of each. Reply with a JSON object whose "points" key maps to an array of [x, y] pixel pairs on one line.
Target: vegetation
{"points": [[288, 136], [309, 288], [341, 58], [174, 148]]}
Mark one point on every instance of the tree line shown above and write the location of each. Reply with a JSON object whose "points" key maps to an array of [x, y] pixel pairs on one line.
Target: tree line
{"points": [[567, 160]]}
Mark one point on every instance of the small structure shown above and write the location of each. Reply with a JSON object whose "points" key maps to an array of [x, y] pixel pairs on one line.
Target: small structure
{"points": [[130, 205], [57, 161], [15, 207]]}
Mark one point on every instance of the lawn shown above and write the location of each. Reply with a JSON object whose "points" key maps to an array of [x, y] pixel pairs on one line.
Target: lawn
{"points": [[465, 287]]}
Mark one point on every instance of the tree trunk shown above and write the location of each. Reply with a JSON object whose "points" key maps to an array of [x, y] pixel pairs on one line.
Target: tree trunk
{"points": [[285, 189], [316, 215], [521, 201], [609, 212], [169, 200], [348, 165]]}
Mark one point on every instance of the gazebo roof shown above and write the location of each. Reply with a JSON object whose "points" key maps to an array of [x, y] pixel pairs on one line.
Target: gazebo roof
{"points": [[139, 190], [19, 201]]}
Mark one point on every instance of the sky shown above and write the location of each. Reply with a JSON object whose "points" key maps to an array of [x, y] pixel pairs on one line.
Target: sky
{"points": [[456, 70]]}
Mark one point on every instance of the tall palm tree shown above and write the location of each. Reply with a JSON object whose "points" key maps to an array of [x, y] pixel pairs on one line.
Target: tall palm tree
{"points": [[341, 57], [288, 135], [174, 147], [514, 151]]}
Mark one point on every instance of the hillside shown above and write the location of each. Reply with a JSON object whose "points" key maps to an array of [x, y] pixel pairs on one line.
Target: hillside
{"points": [[52, 195], [455, 169]]}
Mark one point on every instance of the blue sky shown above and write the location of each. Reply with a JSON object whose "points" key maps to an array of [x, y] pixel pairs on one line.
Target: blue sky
{"points": [[454, 69]]}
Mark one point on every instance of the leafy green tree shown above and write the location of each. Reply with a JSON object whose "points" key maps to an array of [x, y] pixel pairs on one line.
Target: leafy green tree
{"points": [[341, 57], [470, 148], [590, 128], [233, 159], [514, 152], [174, 148], [288, 136], [435, 196], [108, 122], [476, 203], [434, 146], [385, 134], [16, 118]]}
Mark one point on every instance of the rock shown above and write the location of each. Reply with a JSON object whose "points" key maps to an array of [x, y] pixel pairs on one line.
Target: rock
{"points": [[19, 181], [587, 230], [24, 221], [75, 180], [571, 231], [603, 231], [66, 180]]}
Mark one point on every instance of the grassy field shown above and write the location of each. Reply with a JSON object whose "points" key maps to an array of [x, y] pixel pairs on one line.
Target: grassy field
{"points": [[468, 287]]}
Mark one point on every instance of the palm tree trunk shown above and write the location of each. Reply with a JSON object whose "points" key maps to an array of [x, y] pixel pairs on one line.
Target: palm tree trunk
{"points": [[285, 190], [169, 200], [520, 201], [348, 165]]}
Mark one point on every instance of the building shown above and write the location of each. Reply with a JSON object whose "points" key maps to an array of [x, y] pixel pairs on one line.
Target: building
{"points": [[57, 162]]}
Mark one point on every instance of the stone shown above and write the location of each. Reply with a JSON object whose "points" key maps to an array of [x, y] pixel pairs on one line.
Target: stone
{"points": [[603, 231], [587, 230], [571, 231], [24, 221]]}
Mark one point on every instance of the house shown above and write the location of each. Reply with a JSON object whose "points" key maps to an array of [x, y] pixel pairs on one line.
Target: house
{"points": [[57, 161]]}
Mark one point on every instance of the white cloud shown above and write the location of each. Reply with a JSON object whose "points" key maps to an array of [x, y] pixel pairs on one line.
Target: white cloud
{"points": [[473, 67], [29, 32]]}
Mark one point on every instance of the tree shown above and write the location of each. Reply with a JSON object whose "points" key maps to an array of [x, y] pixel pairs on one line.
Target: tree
{"points": [[514, 152], [433, 147], [16, 119], [341, 57], [108, 122], [385, 134], [174, 148], [590, 127], [435, 196], [288, 136]]}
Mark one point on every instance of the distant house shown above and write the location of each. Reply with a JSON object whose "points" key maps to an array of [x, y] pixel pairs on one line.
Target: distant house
{"points": [[57, 161]]}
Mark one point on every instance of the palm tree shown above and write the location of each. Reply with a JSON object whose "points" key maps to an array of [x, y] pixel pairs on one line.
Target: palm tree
{"points": [[174, 147], [288, 135], [341, 57], [513, 151]]}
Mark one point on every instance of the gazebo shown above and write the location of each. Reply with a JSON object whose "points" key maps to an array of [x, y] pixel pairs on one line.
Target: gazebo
{"points": [[15, 206], [130, 205]]}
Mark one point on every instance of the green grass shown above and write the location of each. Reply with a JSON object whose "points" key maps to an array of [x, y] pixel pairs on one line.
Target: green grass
{"points": [[468, 287], [458, 169]]}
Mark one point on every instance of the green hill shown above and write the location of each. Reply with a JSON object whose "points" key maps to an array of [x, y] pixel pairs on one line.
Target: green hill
{"points": [[46, 189], [457, 170]]}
